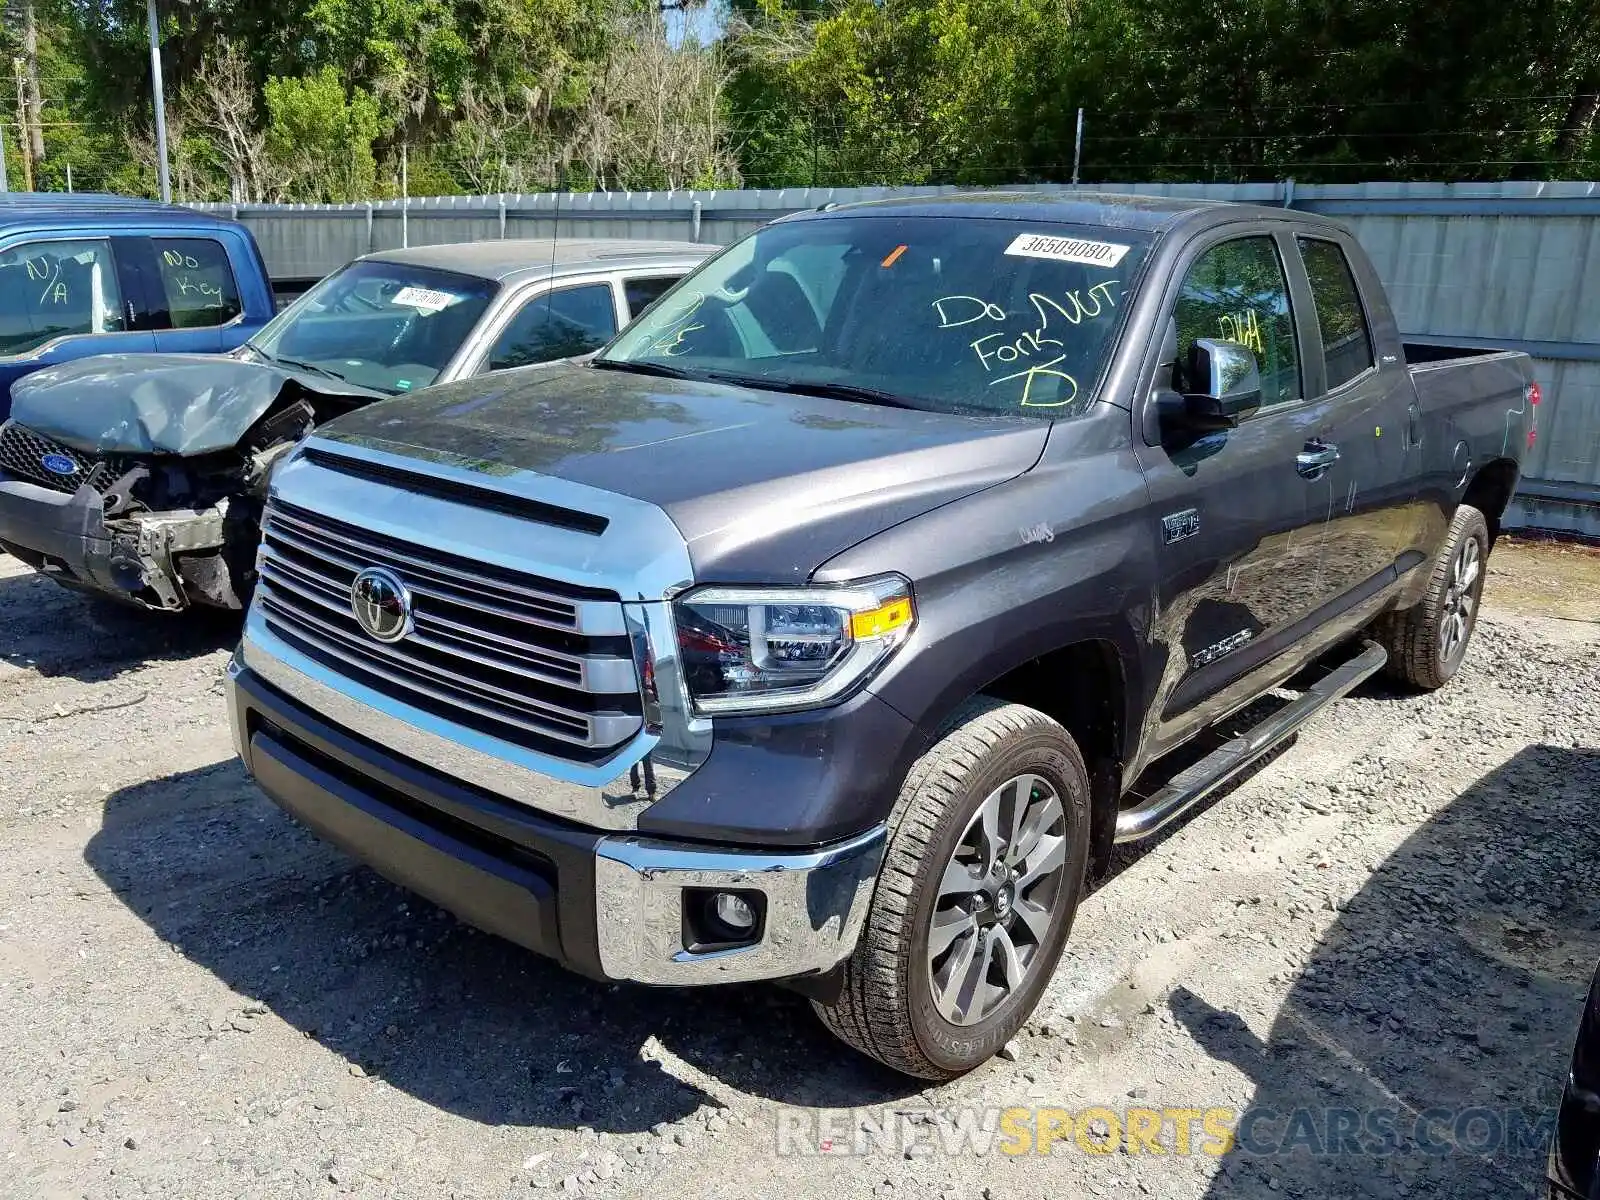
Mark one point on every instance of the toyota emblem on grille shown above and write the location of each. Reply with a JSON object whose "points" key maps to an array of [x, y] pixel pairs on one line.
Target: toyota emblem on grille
{"points": [[381, 604], [58, 464]]}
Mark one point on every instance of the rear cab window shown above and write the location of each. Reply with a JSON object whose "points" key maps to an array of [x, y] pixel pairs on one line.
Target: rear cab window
{"points": [[1346, 339], [982, 315], [197, 282], [54, 289]]}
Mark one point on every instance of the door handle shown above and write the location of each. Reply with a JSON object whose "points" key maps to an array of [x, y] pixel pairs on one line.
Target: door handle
{"points": [[1316, 458]]}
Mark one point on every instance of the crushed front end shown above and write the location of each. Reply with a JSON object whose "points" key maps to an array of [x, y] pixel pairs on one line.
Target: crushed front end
{"points": [[160, 531]]}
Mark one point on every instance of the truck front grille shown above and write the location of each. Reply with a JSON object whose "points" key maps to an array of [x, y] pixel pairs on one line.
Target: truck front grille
{"points": [[529, 660], [24, 452]]}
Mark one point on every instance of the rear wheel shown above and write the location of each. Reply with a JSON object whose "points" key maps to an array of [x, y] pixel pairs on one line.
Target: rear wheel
{"points": [[1428, 641], [980, 882]]}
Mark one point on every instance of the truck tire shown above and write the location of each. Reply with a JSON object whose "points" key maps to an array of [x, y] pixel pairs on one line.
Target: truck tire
{"points": [[975, 900], [1428, 641]]}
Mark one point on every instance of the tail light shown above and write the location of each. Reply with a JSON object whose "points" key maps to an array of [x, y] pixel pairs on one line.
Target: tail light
{"points": [[1534, 396]]}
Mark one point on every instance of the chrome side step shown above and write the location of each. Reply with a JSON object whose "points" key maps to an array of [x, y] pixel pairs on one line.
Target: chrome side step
{"points": [[1195, 783]]}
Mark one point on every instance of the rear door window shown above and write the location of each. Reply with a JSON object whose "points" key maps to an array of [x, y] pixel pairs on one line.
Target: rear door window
{"points": [[645, 290], [558, 324], [198, 282], [1346, 340], [54, 289]]}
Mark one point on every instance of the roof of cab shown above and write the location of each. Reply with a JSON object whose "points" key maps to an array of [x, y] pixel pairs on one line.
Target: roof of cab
{"points": [[79, 210], [1119, 210], [503, 260]]}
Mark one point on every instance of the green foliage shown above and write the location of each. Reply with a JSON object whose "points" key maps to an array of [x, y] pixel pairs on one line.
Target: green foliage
{"points": [[514, 95], [320, 138]]}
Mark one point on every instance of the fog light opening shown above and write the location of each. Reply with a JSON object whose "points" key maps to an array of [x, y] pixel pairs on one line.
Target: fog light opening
{"points": [[715, 919]]}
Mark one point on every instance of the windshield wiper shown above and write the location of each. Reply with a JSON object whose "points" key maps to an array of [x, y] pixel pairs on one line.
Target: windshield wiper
{"points": [[644, 368], [312, 367], [832, 391]]}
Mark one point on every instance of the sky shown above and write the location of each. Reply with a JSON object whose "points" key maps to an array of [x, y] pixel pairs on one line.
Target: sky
{"points": [[702, 23]]}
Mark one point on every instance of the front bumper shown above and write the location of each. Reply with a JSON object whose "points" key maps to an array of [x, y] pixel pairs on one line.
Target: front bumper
{"points": [[66, 536], [609, 905]]}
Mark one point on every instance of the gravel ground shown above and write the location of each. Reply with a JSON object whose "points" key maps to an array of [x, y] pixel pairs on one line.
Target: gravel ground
{"points": [[1395, 914]]}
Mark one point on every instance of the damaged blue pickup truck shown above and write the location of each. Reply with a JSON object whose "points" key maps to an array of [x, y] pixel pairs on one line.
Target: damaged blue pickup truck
{"points": [[86, 274]]}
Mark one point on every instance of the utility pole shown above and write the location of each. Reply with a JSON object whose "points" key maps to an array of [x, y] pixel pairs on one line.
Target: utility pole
{"points": [[160, 103], [1077, 149], [34, 117], [22, 123], [405, 198], [4, 185]]}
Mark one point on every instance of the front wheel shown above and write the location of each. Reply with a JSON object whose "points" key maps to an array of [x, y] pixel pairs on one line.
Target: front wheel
{"points": [[1428, 641], [982, 876]]}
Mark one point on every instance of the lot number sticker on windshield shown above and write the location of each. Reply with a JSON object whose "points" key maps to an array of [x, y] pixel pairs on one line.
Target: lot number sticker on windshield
{"points": [[426, 299], [1064, 249]]}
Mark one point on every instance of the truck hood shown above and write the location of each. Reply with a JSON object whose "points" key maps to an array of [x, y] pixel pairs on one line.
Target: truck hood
{"points": [[764, 486], [183, 404]]}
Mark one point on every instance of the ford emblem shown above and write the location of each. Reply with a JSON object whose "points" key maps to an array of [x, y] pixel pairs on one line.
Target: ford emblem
{"points": [[381, 604], [58, 464]]}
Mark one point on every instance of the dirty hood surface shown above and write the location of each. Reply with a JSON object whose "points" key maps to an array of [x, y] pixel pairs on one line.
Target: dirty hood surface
{"points": [[763, 485], [183, 404]]}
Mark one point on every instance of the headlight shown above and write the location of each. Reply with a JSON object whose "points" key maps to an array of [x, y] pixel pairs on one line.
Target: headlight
{"points": [[779, 649]]}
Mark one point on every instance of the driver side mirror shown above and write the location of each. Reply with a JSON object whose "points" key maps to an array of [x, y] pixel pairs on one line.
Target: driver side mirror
{"points": [[1224, 385]]}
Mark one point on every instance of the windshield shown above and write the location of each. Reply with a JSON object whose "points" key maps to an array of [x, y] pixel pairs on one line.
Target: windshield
{"points": [[948, 314], [378, 325]]}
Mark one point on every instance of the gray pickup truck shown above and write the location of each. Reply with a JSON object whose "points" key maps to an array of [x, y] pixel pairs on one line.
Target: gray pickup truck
{"points": [[819, 628]]}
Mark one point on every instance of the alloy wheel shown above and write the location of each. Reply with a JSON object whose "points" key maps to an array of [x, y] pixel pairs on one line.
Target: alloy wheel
{"points": [[997, 900]]}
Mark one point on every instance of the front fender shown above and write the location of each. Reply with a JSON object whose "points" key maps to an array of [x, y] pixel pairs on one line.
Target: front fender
{"points": [[1058, 556]]}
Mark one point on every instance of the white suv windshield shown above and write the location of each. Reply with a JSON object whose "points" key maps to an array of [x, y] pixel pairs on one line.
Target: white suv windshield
{"points": [[948, 314], [384, 326]]}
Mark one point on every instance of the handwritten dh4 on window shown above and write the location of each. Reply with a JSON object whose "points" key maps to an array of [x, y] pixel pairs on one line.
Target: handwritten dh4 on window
{"points": [[1000, 348]]}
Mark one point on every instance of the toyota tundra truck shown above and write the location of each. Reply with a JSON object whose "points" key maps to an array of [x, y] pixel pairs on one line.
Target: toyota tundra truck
{"points": [[818, 629]]}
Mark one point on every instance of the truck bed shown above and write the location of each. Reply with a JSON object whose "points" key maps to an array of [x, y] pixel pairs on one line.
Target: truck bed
{"points": [[1435, 353], [1473, 396]]}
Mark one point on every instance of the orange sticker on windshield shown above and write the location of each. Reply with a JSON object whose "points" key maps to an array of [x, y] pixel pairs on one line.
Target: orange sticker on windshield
{"points": [[893, 256]]}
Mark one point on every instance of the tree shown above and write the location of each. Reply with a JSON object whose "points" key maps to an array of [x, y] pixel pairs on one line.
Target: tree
{"points": [[653, 117], [219, 103], [319, 138]]}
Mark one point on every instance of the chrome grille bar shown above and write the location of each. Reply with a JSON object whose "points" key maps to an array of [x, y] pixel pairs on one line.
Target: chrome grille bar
{"points": [[448, 583], [486, 648]]}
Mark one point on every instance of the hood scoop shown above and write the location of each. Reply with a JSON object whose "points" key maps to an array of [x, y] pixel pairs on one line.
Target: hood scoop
{"points": [[463, 493]]}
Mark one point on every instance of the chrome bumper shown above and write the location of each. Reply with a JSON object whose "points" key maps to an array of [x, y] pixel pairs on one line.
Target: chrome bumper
{"points": [[816, 903]]}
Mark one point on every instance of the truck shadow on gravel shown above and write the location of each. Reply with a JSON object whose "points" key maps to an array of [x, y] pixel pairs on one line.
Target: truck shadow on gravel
{"points": [[1451, 982], [461, 1020], [57, 632]]}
